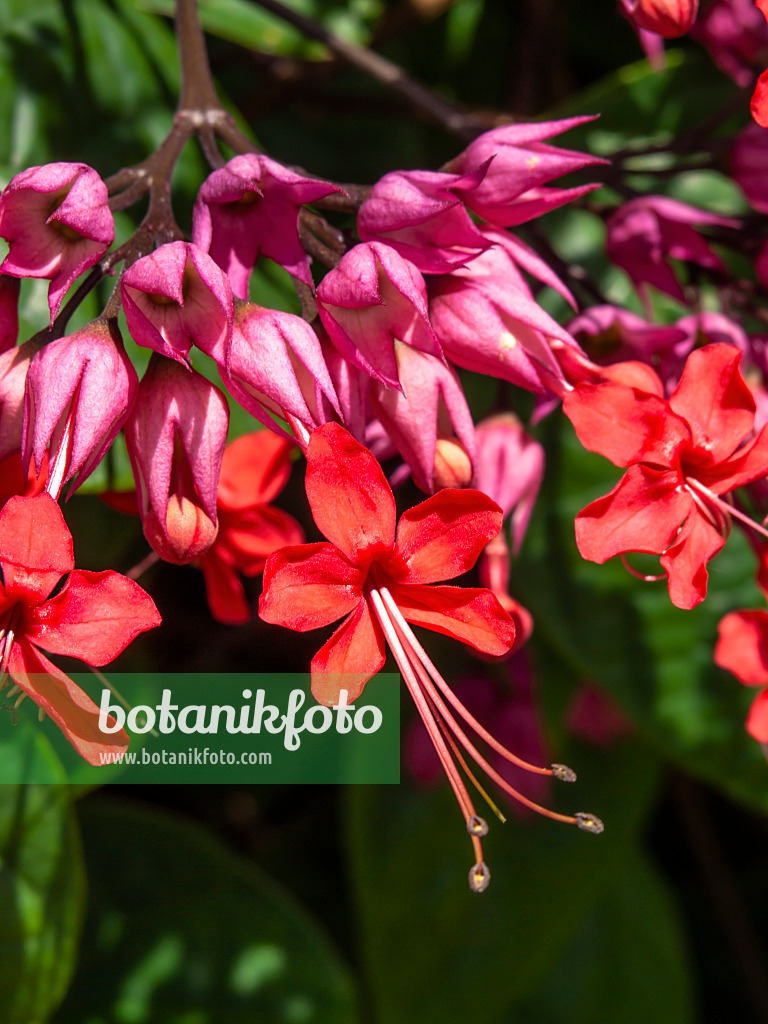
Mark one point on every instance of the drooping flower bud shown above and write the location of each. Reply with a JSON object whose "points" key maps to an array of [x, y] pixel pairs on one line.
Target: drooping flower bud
{"points": [[610, 335], [250, 207], [668, 18], [736, 35], [510, 468], [429, 421], [176, 297], [9, 311], [79, 392], [276, 365], [175, 438], [421, 214], [518, 164], [14, 364], [371, 299], [644, 233], [486, 319], [57, 223], [749, 165]]}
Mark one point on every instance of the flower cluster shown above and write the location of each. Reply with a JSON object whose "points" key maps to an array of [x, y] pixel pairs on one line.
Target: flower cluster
{"points": [[432, 276]]}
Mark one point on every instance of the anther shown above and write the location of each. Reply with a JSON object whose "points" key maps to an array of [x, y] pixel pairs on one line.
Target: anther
{"points": [[12, 712], [477, 826], [563, 772], [479, 877], [588, 822]]}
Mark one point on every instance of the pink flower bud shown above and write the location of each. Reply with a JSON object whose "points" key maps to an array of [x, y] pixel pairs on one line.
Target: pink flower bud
{"points": [[736, 35], [486, 320], [9, 311], [430, 409], [519, 164], [250, 208], [176, 297], [79, 391], [372, 298], [175, 438], [749, 165], [510, 468], [668, 18], [57, 223], [421, 214], [644, 233], [276, 365], [609, 335], [14, 364]]}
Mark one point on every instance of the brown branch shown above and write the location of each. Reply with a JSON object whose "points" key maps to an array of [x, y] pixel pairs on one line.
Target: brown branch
{"points": [[463, 124]]}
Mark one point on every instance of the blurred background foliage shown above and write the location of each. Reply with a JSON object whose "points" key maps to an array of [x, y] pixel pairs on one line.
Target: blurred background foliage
{"points": [[309, 905]]}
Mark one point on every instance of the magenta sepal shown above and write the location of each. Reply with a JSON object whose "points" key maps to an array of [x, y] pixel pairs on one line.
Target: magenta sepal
{"points": [[176, 297]]}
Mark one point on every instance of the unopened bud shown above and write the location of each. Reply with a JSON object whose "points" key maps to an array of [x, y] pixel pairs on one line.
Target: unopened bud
{"points": [[477, 826], [188, 531], [588, 822], [479, 877], [453, 467], [563, 773]]}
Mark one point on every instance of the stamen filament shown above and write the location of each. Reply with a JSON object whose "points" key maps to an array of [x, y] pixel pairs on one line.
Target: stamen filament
{"points": [[471, 721], [406, 667], [728, 510], [646, 578], [116, 693]]}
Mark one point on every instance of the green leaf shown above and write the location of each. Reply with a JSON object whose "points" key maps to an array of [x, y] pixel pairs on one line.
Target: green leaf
{"points": [[626, 959], [42, 892], [493, 952], [179, 931]]}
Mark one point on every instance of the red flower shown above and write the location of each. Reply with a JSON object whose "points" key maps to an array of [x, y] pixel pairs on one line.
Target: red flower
{"points": [[254, 469], [683, 454], [312, 585], [93, 617], [742, 648], [380, 576]]}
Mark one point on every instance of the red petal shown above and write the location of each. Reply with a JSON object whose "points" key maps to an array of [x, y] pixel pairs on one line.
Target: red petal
{"points": [[641, 513], [759, 104], [309, 586], [249, 536], [35, 546], [351, 501], [443, 536], [714, 400], [757, 719], [94, 617], [70, 707], [685, 562], [623, 424], [742, 646], [224, 590], [254, 469], [747, 464], [470, 614], [634, 375], [347, 661]]}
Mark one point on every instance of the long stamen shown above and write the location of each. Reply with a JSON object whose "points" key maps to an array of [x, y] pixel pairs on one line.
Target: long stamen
{"points": [[479, 875], [723, 506], [561, 772], [478, 758], [116, 693], [646, 578]]}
